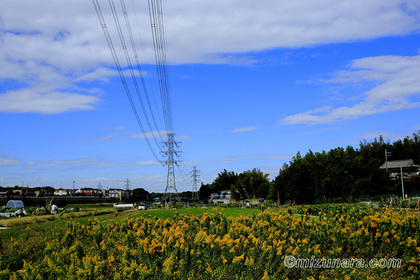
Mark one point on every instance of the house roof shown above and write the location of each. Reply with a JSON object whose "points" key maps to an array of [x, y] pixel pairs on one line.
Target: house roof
{"points": [[396, 164]]}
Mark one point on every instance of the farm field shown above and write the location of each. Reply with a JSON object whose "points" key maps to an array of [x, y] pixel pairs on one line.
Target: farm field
{"points": [[222, 243]]}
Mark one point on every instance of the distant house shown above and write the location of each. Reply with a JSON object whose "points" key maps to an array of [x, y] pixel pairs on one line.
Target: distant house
{"points": [[119, 194], [88, 192], [222, 197], [395, 167], [61, 192], [17, 192], [28, 192]]}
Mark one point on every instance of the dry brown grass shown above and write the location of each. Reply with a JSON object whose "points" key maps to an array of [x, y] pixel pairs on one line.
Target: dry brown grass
{"points": [[40, 219]]}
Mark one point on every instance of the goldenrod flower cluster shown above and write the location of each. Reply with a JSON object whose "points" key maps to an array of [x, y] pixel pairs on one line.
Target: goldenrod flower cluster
{"points": [[214, 246]]}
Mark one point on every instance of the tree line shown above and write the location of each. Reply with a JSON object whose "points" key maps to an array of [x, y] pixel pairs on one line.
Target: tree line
{"points": [[339, 175], [246, 185]]}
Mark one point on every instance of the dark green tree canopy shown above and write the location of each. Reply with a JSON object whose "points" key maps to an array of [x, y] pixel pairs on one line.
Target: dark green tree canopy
{"points": [[246, 185], [345, 174], [140, 194]]}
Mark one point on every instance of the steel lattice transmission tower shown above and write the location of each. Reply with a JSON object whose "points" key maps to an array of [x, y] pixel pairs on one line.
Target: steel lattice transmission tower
{"points": [[171, 145], [194, 180], [127, 184]]}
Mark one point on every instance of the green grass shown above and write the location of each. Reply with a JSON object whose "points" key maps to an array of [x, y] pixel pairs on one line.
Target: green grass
{"points": [[170, 213], [91, 206], [41, 229]]}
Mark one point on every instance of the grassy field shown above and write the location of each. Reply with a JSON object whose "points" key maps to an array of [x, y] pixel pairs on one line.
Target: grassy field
{"points": [[37, 226], [33, 230], [170, 213], [211, 243]]}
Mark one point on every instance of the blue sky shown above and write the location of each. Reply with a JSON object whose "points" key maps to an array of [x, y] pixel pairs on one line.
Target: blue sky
{"points": [[251, 85]]}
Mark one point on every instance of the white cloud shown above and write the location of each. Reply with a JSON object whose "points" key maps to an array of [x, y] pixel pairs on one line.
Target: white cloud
{"points": [[104, 74], [100, 74], [243, 129], [88, 161], [143, 163], [9, 161], [330, 128], [68, 33], [120, 127], [106, 138], [396, 85], [41, 89], [241, 26], [182, 138], [386, 135], [47, 49], [93, 162], [158, 135], [150, 135], [51, 102], [239, 159]]}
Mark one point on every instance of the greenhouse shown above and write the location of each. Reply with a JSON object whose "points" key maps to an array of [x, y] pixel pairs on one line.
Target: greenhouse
{"points": [[14, 204]]}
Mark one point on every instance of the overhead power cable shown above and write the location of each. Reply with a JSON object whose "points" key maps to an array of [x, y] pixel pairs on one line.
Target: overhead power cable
{"points": [[127, 57], [120, 72], [138, 66], [156, 17], [159, 44]]}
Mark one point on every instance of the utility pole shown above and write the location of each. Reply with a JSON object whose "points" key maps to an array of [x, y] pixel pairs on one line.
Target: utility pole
{"points": [[100, 188], [402, 182], [171, 144], [387, 154], [195, 177]]}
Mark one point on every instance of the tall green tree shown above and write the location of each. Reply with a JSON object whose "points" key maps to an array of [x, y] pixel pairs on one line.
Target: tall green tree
{"points": [[204, 192], [140, 194], [344, 174], [224, 181]]}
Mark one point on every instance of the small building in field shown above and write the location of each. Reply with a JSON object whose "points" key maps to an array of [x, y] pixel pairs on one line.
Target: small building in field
{"points": [[396, 167], [119, 194], [222, 197], [61, 192], [14, 204]]}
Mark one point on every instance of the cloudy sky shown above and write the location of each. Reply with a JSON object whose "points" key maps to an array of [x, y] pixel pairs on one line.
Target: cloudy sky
{"points": [[251, 84]]}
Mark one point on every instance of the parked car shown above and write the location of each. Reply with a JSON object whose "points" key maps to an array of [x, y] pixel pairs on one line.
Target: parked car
{"points": [[142, 206]]}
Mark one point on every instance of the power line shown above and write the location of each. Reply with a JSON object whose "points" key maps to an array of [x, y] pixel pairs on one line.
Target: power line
{"points": [[156, 17], [159, 45], [185, 179], [127, 57], [119, 70], [138, 66], [147, 71]]}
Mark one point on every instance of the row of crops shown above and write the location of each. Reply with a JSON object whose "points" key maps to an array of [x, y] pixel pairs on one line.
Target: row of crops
{"points": [[334, 209], [214, 246]]}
